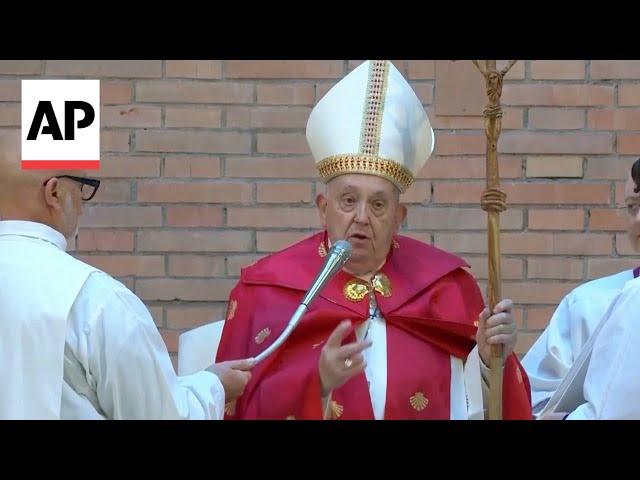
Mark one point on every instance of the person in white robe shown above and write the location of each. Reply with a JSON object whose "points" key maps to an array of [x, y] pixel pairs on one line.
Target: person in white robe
{"points": [[577, 317], [74, 342]]}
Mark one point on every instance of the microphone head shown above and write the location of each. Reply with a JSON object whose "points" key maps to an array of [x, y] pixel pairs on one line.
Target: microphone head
{"points": [[342, 248]]}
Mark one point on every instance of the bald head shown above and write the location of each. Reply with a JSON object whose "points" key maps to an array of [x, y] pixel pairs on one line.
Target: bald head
{"points": [[36, 195]]}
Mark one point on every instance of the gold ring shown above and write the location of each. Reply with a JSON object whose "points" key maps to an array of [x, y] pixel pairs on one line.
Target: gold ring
{"points": [[347, 363]]}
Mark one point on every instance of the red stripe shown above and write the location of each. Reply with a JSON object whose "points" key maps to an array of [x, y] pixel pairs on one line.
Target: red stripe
{"points": [[60, 164]]}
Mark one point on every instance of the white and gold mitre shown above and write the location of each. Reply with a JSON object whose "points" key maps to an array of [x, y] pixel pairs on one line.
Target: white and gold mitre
{"points": [[371, 122]]}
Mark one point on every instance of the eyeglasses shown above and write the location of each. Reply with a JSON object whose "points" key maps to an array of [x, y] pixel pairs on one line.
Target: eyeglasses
{"points": [[88, 186]]}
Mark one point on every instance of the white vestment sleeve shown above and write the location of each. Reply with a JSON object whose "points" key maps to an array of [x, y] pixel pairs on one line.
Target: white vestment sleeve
{"points": [[126, 361]]}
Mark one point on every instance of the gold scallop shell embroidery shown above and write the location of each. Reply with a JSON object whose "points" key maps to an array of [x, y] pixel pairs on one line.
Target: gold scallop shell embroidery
{"points": [[418, 401], [231, 312], [262, 335]]}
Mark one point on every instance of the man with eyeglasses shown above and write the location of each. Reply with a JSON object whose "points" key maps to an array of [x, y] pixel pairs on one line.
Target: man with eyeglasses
{"points": [[577, 317], [74, 342]]}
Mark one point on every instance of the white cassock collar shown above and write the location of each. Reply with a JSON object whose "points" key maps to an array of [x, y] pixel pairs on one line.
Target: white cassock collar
{"points": [[35, 230]]}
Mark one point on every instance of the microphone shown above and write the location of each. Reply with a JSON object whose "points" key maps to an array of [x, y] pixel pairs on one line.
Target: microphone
{"points": [[339, 254]]}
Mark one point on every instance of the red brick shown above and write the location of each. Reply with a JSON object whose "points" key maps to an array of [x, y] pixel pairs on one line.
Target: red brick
{"points": [[611, 168], [421, 69], [557, 193], [456, 243], [115, 92], [189, 317], [196, 266], [629, 144], [582, 244], [207, 69], [171, 340], [557, 69], [286, 94], [629, 95], [460, 144], [554, 219], [602, 267], [525, 341], [420, 218], [607, 219], [181, 91], [122, 217], [111, 191], [157, 314], [540, 95], [555, 268], [236, 262], [130, 116], [543, 292], [609, 119], [193, 117], [20, 67], [555, 143], [267, 117], [274, 241], [295, 143], [418, 192], [284, 69], [182, 166], [114, 141], [105, 240], [469, 167], [554, 166], [424, 91], [105, 68], [284, 192], [192, 141], [278, 217], [10, 90], [194, 241], [179, 289], [511, 268], [556, 118], [512, 119], [606, 69], [623, 246], [538, 317], [193, 216], [127, 265], [10, 115], [263, 167], [191, 192], [128, 167]]}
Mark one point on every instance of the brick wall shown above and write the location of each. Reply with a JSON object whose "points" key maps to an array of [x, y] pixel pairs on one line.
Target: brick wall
{"points": [[206, 169]]}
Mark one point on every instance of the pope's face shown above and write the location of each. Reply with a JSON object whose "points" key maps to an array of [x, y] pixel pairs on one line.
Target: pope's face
{"points": [[365, 210]]}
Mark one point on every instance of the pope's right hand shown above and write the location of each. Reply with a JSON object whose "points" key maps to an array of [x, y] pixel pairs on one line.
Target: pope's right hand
{"points": [[339, 363]]}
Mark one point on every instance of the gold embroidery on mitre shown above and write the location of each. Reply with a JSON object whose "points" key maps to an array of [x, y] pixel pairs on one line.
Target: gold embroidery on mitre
{"points": [[233, 305], [374, 107], [336, 410], [418, 401], [382, 285], [322, 250], [230, 407], [262, 335], [331, 167]]}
